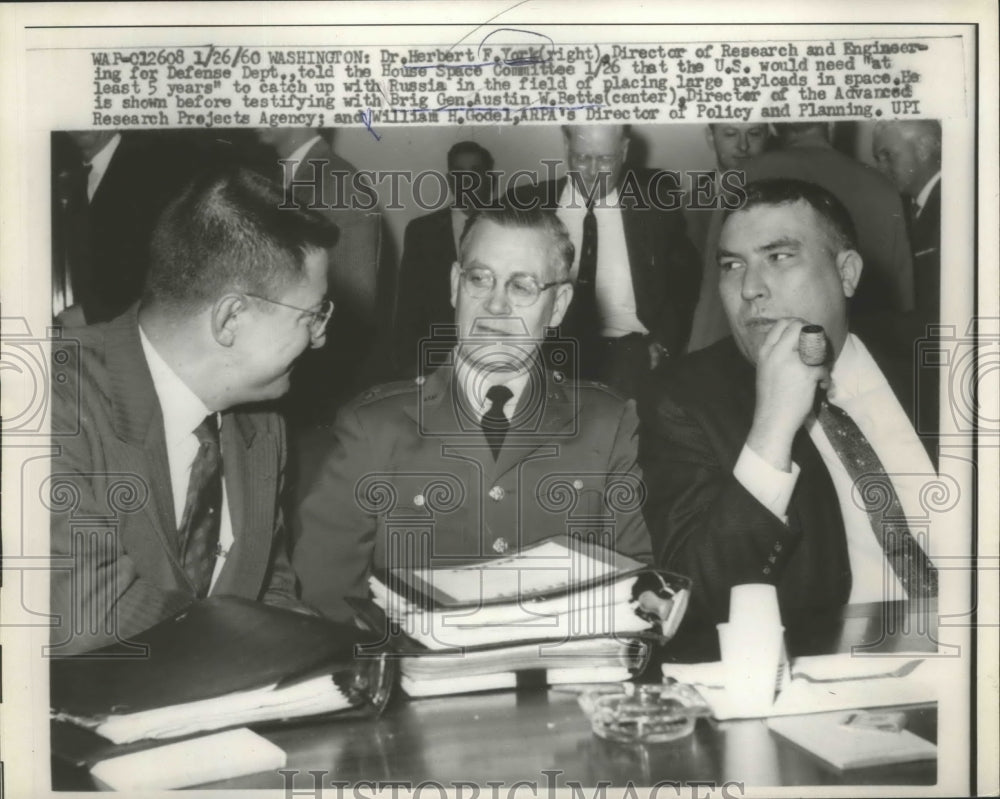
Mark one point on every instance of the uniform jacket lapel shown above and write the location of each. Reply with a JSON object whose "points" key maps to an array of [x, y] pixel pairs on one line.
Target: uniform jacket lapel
{"points": [[440, 412]]}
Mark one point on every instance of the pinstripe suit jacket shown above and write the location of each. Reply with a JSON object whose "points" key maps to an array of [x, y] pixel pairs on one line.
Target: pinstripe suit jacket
{"points": [[113, 533]]}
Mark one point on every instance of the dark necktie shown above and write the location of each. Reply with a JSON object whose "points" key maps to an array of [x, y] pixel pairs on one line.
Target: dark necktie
{"points": [[199, 528], [585, 297], [495, 423], [909, 562]]}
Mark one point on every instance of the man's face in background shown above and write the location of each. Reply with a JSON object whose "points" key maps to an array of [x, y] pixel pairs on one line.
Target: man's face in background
{"points": [[735, 144], [597, 153]]}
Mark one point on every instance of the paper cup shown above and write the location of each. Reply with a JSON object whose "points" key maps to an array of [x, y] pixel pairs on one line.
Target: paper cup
{"points": [[754, 604], [751, 657]]}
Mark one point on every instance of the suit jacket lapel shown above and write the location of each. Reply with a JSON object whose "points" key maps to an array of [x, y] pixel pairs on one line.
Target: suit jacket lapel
{"points": [[638, 247], [138, 423]]}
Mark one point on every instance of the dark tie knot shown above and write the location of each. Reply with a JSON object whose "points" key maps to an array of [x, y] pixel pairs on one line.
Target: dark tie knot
{"points": [[208, 431], [498, 396]]}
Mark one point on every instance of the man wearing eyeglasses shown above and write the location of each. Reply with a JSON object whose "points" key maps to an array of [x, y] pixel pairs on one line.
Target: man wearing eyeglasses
{"points": [[161, 427], [636, 271], [489, 452]]}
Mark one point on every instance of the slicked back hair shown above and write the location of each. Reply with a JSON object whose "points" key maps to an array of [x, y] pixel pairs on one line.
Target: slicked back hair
{"points": [[561, 250], [227, 232]]}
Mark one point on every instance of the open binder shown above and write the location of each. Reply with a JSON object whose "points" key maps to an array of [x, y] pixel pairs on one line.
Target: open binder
{"points": [[562, 609], [221, 662], [559, 588]]}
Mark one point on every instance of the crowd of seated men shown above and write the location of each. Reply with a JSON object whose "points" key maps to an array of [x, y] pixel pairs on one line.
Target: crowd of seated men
{"points": [[252, 355]]}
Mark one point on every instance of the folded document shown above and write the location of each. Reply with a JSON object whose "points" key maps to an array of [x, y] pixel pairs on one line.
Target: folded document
{"points": [[222, 662], [829, 682]]}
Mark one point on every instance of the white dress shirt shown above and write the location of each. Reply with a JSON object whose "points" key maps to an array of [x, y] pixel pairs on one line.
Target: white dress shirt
{"points": [[296, 157], [615, 293], [182, 412], [858, 387], [921, 199], [475, 390], [458, 220], [99, 165]]}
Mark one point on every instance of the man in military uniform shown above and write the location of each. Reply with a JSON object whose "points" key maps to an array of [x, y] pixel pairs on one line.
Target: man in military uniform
{"points": [[488, 453]]}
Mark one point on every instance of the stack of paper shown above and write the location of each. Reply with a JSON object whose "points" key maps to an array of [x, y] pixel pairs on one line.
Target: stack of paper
{"points": [[505, 680], [554, 606], [318, 695]]}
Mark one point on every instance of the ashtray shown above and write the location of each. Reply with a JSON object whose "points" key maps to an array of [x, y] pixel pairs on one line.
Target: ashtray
{"points": [[643, 713]]}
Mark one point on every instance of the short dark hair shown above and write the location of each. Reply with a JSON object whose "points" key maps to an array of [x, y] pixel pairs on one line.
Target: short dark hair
{"points": [[470, 148], [786, 191], [228, 231], [561, 250]]}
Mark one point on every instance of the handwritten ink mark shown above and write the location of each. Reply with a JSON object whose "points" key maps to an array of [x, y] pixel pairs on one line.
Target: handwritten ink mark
{"points": [[368, 118]]}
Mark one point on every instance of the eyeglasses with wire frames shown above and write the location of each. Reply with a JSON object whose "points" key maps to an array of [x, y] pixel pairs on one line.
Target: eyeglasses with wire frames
{"points": [[317, 318], [522, 290]]}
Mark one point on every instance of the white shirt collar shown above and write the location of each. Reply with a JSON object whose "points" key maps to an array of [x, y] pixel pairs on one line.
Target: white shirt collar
{"points": [[570, 198], [99, 164], [182, 410], [921, 199], [297, 155], [475, 390], [854, 373]]}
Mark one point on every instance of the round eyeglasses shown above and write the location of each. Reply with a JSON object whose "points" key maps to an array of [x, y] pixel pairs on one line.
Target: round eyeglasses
{"points": [[522, 290], [318, 318]]}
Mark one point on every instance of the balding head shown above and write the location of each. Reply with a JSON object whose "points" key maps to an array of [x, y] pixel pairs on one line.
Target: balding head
{"points": [[597, 154], [908, 153]]}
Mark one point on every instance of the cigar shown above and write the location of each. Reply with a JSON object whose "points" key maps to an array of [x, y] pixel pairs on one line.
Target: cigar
{"points": [[812, 345]]}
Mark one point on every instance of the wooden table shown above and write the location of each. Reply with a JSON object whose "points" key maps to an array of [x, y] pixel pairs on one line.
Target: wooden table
{"points": [[509, 736]]}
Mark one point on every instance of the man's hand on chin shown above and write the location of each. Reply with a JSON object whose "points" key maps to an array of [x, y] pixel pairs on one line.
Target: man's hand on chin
{"points": [[786, 390]]}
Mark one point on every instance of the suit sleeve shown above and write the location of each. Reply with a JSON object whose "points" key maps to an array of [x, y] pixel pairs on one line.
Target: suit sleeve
{"points": [[703, 522], [97, 594], [334, 533], [632, 535]]}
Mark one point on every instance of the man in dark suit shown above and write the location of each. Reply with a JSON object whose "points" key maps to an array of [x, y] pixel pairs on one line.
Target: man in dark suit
{"points": [[750, 471], [637, 272], [430, 247], [487, 454], [108, 189], [876, 211], [159, 431], [909, 153], [316, 177]]}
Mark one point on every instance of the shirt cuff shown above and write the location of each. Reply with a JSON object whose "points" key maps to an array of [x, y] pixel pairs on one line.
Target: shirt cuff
{"points": [[771, 487]]}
